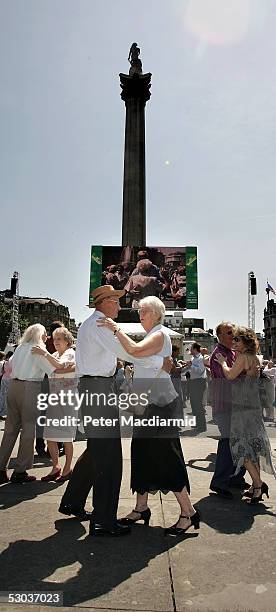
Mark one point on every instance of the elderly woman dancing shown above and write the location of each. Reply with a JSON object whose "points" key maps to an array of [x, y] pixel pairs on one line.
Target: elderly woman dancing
{"points": [[28, 371], [157, 463], [63, 379], [249, 443]]}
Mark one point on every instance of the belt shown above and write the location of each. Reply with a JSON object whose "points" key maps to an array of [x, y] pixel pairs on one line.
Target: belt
{"points": [[102, 377], [27, 380]]}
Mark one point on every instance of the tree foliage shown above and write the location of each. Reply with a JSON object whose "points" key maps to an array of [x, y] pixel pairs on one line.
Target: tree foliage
{"points": [[6, 324]]}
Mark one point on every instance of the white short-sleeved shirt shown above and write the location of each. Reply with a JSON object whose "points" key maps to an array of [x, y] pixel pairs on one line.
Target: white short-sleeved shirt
{"points": [[67, 358], [26, 366], [271, 372], [68, 380]]}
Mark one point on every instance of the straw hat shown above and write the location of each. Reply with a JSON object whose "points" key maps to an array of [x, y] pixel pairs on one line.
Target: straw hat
{"points": [[106, 291]]}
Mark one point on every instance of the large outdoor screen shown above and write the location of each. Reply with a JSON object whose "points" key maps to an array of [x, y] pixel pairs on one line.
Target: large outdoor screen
{"points": [[169, 273]]}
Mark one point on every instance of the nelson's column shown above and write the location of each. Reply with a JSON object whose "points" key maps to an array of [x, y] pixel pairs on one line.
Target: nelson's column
{"points": [[135, 93]]}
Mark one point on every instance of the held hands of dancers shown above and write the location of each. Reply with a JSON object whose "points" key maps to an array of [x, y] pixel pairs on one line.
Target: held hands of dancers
{"points": [[167, 364], [109, 323], [37, 350], [220, 359]]}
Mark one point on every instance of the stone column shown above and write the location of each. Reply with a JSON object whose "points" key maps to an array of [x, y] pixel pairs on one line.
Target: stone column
{"points": [[135, 93]]}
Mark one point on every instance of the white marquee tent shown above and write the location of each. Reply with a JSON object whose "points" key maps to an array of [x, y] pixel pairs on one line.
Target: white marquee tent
{"points": [[135, 330]]}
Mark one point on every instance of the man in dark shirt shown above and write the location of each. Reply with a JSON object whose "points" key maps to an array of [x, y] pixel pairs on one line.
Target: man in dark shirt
{"points": [[176, 380], [224, 469]]}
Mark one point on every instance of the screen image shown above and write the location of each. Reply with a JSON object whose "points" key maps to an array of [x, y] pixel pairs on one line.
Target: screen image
{"points": [[170, 273]]}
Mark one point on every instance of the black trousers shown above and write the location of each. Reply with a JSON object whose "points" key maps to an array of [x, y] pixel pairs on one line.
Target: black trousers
{"points": [[224, 468], [100, 466], [197, 388]]}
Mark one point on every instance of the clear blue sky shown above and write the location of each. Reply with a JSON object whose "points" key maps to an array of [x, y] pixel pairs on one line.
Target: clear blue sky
{"points": [[212, 116]]}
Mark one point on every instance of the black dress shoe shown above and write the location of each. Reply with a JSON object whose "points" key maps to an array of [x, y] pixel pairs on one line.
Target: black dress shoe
{"points": [[21, 477], [96, 529], [42, 452], [4, 477], [225, 493], [79, 513], [199, 430], [241, 486]]}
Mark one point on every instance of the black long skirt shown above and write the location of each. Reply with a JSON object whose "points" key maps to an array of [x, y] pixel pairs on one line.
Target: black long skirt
{"points": [[157, 462]]}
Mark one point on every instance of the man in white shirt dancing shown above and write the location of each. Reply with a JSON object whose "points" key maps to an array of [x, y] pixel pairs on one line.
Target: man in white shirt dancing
{"points": [[100, 465], [197, 370]]}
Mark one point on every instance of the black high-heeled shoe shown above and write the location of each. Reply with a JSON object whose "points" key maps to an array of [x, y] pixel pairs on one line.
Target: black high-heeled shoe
{"points": [[143, 516], [264, 491], [195, 523], [257, 498], [248, 493]]}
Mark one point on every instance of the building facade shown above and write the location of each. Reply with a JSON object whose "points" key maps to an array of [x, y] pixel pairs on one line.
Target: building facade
{"points": [[41, 310], [44, 311], [270, 330], [192, 330]]}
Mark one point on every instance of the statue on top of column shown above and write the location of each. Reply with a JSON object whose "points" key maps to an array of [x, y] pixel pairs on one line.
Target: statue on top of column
{"points": [[133, 58]]}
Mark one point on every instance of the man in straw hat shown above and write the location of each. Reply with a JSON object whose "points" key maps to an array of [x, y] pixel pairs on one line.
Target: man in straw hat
{"points": [[100, 465]]}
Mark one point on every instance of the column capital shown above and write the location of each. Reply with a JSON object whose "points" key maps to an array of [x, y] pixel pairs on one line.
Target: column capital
{"points": [[135, 86]]}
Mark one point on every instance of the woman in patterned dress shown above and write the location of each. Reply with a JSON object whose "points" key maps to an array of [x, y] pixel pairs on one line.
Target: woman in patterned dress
{"points": [[61, 380], [249, 442]]}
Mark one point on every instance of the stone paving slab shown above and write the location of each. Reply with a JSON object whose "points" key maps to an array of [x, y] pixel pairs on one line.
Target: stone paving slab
{"points": [[33, 608], [238, 597], [232, 555], [228, 566], [47, 552]]}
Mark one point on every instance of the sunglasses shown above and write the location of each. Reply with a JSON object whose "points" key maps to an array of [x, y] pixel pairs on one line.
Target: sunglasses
{"points": [[228, 333]]}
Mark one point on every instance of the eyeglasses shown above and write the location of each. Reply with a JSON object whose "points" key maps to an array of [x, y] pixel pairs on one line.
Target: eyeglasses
{"points": [[237, 339], [228, 333]]}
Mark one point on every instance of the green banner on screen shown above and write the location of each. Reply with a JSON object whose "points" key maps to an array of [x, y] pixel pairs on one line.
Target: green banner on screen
{"points": [[191, 278], [95, 270]]}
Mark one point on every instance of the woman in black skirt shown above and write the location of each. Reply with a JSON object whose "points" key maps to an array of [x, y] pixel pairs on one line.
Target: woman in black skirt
{"points": [[157, 462]]}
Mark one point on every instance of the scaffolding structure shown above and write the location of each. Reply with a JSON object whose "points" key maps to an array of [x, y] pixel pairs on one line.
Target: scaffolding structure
{"points": [[251, 300], [14, 336]]}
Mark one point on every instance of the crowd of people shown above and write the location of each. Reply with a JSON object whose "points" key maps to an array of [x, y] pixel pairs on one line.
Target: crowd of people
{"points": [[168, 282], [107, 361]]}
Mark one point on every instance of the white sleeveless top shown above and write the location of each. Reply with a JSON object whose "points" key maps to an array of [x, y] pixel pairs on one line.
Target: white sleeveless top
{"points": [[164, 392]]}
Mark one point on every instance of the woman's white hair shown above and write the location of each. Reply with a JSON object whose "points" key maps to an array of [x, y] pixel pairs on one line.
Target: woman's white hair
{"points": [[33, 334], [155, 305]]}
